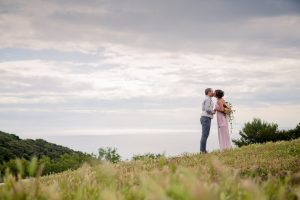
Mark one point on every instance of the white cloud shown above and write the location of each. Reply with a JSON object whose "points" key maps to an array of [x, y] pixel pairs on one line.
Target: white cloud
{"points": [[150, 62], [198, 26], [138, 73]]}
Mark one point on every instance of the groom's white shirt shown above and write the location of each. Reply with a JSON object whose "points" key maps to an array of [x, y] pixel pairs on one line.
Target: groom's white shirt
{"points": [[208, 107]]}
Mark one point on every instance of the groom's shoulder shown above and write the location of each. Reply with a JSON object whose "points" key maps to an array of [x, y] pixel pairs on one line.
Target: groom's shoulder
{"points": [[206, 99]]}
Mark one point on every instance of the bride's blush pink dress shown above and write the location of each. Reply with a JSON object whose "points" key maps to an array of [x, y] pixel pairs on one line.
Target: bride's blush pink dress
{"points": [[223, 130]]}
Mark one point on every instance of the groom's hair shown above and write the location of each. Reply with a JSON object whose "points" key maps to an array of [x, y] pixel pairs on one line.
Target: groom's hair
{"points": [[207, 90]]}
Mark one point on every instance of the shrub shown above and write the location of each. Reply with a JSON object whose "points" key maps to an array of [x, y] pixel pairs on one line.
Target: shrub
{"points": [[109, 154], [259, 131]]}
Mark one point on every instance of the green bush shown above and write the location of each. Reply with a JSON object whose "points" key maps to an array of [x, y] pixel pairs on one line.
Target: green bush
{"points": [[259, 131], [109, 154]]}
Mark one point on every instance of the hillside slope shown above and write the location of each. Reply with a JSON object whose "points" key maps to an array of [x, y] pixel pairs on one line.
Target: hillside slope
{"points": [[11, 146], [266, 171]]}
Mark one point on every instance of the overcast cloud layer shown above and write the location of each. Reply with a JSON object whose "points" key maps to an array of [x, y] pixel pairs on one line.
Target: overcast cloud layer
{"points": [[132, 66]]}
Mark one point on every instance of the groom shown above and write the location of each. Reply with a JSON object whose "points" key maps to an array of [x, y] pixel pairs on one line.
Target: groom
{"points": [[206, 116]]}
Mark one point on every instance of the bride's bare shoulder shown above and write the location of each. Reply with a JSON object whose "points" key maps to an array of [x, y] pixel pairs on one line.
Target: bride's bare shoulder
{"points": [[221, 100]]}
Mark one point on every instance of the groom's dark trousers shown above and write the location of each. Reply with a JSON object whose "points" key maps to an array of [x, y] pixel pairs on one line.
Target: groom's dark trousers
{"points": [[205, 122]]}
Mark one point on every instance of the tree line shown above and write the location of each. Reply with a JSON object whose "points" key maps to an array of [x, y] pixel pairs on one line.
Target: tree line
{"points": [[54, 158]]}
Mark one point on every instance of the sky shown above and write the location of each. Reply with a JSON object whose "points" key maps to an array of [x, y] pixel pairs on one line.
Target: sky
{"points": [[113, 67]]}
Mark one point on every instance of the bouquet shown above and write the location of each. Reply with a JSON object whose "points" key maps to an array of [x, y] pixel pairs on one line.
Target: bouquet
{"points": [[228, 111]]}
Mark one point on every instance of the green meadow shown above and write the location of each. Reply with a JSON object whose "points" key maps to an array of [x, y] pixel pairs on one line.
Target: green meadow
{"points": [[259, 171]]}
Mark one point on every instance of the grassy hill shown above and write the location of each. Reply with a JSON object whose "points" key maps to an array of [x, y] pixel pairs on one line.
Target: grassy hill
{"points": [[55, 158], [11, 146], [265, 171]]}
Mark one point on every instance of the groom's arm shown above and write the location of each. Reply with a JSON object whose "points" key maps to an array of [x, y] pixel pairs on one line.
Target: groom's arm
{"points": [[208, 107]]}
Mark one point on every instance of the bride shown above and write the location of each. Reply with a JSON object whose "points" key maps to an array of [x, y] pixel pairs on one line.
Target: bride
{"points": [[223, 127]]}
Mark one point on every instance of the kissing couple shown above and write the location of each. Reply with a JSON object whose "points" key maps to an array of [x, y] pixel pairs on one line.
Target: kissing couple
{"points": [[208, 111]]}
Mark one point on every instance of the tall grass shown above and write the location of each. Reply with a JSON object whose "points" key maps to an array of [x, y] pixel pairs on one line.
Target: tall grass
{"points": [[268, 171]]}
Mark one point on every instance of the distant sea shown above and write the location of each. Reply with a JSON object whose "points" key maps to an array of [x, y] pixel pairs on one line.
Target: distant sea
{"points": [[171, 144]]}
